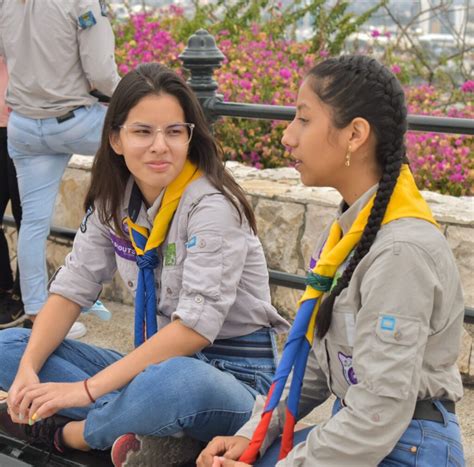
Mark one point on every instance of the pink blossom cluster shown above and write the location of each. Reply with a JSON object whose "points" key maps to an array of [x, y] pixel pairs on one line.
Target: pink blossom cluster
{"points": [[440, 162], [143, 40], [468, 86]]}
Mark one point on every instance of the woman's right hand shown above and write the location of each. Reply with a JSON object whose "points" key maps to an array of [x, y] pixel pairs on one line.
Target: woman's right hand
{"points": [[24, 377], [230, 447]]}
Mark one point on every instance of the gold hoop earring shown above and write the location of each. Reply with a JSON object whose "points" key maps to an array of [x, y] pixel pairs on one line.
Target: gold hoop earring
{"points": [[348, 157]]}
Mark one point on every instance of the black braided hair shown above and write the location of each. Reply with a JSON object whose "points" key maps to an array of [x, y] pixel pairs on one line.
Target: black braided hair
{"points": [[358, 86]]}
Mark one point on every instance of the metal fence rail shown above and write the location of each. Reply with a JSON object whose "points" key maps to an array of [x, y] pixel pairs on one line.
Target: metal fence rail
{"points": [[201, 57], [218, 108]]}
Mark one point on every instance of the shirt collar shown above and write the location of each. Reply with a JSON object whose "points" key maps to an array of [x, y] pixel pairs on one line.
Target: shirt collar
{"points": [[146, 216], [153, 209], [347, 218]]}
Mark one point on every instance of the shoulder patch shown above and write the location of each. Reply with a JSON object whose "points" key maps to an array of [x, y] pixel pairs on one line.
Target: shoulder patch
{"points": [[103, 8], [387, 323], [192, 242], [347, 369], [86, 20], [123, 248], [83, 225]]}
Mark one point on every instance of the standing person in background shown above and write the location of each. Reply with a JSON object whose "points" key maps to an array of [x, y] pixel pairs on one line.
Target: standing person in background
{"points": [[56, 53], [11, 306]]}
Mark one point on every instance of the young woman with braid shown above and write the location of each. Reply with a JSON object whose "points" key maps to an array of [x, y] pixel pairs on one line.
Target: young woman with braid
{"points": [[164, 213], [379, 324]]}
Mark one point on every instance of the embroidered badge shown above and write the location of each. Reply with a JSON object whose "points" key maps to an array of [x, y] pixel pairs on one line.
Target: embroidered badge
{"points": [[192, 242], [170, 254], [348, 371], [86, 20], [83, 225], [103, 7], [387, 323], [125, 228], [123, 248]]}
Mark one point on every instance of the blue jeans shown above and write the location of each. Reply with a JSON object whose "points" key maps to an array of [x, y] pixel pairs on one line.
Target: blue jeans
{"points": [[40, 150], [196, 396], [438, 444]]}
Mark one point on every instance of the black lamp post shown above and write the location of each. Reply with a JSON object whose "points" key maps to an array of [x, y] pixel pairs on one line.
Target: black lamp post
{"points": [[201, 57]]}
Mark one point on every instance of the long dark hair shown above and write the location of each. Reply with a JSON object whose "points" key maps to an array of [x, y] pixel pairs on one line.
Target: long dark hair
{"points": [[359, 86], [109, 172]]}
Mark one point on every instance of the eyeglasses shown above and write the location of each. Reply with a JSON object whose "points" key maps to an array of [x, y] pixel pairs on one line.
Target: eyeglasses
{"points": [[175, 134]]}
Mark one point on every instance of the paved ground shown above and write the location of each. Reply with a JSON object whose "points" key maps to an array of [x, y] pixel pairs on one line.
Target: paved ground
{"points": [[117, 334]]}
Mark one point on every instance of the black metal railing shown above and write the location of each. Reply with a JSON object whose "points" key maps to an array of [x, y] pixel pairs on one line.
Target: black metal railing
{"points": [[201, 57]]}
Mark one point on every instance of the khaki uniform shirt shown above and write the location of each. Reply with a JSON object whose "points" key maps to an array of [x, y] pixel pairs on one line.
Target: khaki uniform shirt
{"points": [[394, 339], [212, 272], [57, 51]]}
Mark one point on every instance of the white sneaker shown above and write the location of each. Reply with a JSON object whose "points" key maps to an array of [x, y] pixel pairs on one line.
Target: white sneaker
{"points": [[98, 309], [77, 330]]}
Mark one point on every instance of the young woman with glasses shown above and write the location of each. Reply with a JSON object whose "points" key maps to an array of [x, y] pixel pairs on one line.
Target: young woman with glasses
{"points": [[163, 211]]}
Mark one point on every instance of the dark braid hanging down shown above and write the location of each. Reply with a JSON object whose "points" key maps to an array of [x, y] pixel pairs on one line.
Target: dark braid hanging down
{"points": [[358, 86]]}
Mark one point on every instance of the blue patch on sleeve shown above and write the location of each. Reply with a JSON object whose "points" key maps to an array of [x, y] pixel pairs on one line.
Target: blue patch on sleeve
{"points": [[86, 20], [388, 323], [192, 242]]}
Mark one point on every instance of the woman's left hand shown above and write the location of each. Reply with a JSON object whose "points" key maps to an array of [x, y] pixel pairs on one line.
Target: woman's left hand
{"points": [[42, 400]]}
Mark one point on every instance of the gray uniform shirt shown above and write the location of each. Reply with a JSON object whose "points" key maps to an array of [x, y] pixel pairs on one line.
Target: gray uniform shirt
{"points": [[56, 52], [394, 339], [212, 272]]}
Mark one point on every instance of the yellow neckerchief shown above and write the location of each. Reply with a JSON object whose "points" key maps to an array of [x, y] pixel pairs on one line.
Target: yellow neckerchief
{"points": [[406, 201], [171, 198]]}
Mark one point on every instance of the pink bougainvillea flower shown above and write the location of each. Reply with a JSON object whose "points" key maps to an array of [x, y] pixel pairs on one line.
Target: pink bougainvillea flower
{"points": [[468, 86]]}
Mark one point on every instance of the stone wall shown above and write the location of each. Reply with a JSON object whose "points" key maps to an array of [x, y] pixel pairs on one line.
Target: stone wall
{"points": [[290, 217]]}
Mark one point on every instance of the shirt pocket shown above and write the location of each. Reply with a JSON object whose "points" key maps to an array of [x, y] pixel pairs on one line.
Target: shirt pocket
{"points": [[395, 352], [171, 283], [342, 329], [203, 265], [128, 271]]}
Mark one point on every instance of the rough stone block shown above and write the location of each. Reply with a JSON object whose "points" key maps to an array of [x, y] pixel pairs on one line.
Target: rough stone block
{"points": [[317, 218], [464, 358], [461, 241], [280, 230]]}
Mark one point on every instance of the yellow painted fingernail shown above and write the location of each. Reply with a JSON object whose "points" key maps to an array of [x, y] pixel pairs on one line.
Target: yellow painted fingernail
{"points": [[34, 417], [30, 422]]}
